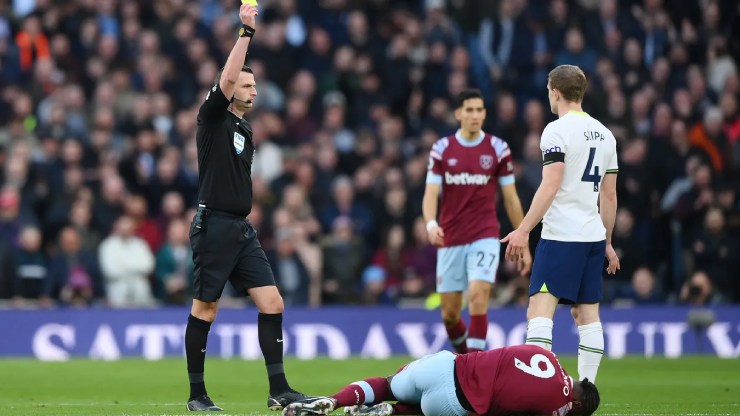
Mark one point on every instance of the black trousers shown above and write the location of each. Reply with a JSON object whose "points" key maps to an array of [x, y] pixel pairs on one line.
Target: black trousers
{"points": [[226, 248]]}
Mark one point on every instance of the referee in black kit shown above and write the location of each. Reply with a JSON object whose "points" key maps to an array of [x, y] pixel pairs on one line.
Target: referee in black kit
{"points": [[225, 245]]}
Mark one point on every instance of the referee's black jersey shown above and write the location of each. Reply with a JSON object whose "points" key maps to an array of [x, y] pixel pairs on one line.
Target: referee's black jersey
{"points": [[225, 153]]}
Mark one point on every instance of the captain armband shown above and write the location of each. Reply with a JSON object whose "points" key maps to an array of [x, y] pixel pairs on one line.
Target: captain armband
{"points": [[552, 157]]}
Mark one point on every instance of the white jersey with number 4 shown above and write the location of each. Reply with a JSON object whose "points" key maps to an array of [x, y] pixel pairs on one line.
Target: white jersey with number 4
{"points": [[590, 153]]}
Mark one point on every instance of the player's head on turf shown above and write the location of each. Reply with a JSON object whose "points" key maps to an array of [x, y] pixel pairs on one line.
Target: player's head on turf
{"points": [[565, 84], [470, 112], [585, 398], [245, 90]]}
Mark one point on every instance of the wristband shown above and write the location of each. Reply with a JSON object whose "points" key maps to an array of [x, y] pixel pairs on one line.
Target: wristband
{"points": [[432, 224], [246, 31]]}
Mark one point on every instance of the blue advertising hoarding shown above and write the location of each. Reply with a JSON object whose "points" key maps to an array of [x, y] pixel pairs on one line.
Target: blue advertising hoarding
{"points": [[109, 334]]}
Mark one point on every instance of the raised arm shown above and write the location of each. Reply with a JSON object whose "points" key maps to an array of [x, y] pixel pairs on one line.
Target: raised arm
{"points": [[235, 61], [217, 101]]}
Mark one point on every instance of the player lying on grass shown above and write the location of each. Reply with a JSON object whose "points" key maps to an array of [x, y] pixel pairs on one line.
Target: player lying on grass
{"points": [[519, 380]]}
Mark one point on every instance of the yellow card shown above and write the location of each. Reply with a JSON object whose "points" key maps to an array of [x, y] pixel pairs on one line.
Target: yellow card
{"points": [[250, 2]]}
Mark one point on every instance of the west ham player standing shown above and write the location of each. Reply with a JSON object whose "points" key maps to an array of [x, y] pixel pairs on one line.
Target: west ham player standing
{"points": [[467, 168], [518, 380], [578, 199]]}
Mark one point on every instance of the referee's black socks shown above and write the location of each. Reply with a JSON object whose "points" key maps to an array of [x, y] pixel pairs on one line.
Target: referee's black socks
{"points": [[196, 337], [270, 334]]}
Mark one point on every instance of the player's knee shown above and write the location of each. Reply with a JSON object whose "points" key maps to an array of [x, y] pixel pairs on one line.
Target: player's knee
{"points": [[478, 300], [532, 311], [273, 305], [585, 314], [205, 311], [450, 316], [574, 312]]}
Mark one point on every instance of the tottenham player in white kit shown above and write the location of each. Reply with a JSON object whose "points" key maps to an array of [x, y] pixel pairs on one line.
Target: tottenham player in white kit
{"points": [[578, 200]]}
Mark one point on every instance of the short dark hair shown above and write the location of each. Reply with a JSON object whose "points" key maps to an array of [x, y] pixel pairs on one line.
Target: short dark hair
{"points": [[589, 399], [466, 95], [245, 68], [570, 81]]}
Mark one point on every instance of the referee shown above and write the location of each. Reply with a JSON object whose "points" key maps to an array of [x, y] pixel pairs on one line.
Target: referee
{"points": [[225, 245]]}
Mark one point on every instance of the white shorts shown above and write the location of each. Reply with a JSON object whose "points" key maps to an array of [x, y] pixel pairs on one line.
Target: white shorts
{"points": [[458, 265]]}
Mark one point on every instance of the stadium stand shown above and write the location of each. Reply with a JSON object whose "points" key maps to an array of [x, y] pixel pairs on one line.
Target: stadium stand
{"points": [[97, 139]]}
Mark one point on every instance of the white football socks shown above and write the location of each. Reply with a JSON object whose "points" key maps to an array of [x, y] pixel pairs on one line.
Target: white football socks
{"points": [[539, 332], [590, 350]]}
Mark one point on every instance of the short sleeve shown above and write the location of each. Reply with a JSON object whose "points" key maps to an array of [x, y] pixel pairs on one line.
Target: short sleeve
{"points": [[214, 107], [552, 146], [504, 163], [435, 169], [613, 166]]}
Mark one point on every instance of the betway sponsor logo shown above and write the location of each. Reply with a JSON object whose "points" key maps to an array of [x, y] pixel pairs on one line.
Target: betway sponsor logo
{"points": [[466, 178]]}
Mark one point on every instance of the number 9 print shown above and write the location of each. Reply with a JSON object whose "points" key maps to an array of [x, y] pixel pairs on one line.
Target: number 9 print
{"points": [[534, 366]]}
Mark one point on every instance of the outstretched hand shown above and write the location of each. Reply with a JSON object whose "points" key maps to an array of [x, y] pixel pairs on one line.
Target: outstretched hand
{"points": [[518, 243]]}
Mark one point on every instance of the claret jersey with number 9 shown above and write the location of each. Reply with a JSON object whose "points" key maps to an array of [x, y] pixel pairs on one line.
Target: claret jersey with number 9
{"points": [[589, 151], [521, 379]]}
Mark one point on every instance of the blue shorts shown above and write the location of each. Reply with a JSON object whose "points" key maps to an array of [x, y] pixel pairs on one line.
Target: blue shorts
{"points": [[569, 270], [429, 382], [458, 265]]}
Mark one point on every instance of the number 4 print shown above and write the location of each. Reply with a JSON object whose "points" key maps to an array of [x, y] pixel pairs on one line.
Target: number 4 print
{"points": [[587, 176]]}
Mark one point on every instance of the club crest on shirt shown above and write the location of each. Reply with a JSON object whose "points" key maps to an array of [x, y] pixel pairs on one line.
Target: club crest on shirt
{"points": [[238, 143], [486, 161]]}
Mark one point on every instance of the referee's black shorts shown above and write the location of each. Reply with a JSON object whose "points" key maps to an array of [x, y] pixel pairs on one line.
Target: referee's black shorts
{"points": [[226, 248]]}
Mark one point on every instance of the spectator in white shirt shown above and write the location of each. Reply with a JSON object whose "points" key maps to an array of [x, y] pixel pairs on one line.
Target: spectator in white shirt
{"points": [[126, 262]]}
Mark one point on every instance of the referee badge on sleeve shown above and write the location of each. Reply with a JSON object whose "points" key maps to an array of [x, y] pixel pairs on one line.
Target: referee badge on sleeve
{"points": [[238, 143]]}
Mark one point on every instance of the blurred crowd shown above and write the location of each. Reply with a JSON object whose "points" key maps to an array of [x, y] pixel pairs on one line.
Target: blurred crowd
{"points": [[98, 166]]}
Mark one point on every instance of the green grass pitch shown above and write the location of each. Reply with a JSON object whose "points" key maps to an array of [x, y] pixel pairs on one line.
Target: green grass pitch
{"points": [[630, 386]]}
